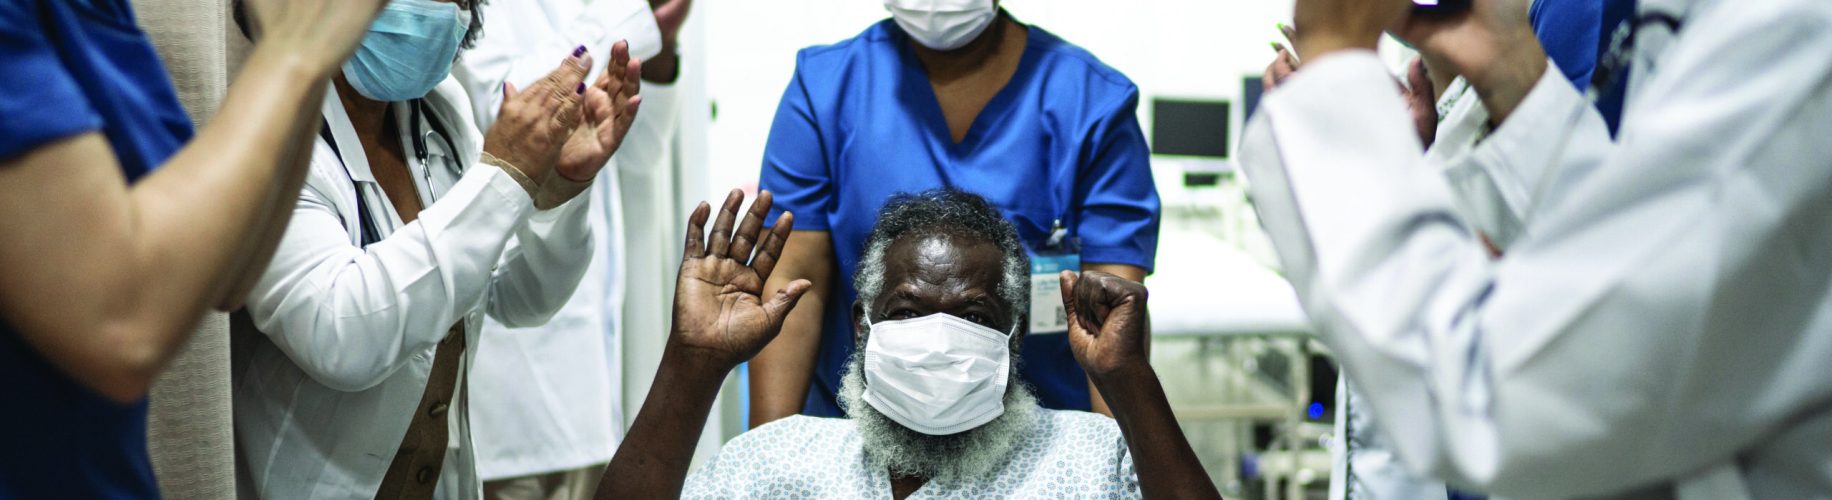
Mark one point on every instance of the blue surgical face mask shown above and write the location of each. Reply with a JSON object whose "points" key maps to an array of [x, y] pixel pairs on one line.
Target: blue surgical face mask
{"points": [[408, 51]]}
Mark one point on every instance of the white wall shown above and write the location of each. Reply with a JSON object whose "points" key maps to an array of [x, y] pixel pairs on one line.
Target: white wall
{"points": [[1173, 48]]}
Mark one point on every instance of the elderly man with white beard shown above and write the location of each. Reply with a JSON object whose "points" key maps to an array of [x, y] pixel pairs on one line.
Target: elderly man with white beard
{"points": [[933, 403]]}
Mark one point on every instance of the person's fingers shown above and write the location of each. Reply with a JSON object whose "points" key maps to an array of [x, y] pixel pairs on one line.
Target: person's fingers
{"points": [[696, 232], [746, 238], [1088, 300], [771, 250], [784, 301], [507, 109], [632, 77], [1290, 32], [620, 58], [722, 226], [1098, 294], [597, 107], [1418, 81], [620, 122], [1071, 304], [564, 78], [605, 78], [562, 90]]}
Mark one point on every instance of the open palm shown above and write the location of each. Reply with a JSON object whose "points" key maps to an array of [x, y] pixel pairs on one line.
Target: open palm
{"points": [[608, 111], [719, 309]]}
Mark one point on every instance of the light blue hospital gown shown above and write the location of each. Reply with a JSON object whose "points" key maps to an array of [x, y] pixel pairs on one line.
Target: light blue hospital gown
{"points": [[1071, 454]]}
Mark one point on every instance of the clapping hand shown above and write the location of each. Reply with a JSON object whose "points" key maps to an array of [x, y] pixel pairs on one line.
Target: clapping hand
{"points": [[1108, 323], [720, 314], [609, 110], [535, 122]]}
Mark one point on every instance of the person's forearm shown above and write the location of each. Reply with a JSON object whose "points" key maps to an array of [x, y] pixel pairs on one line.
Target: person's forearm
{"points": [[653, 459], [780, 375], [1166, 465], [553, 250], [200, 211], [260, 249], [1504, 83]]}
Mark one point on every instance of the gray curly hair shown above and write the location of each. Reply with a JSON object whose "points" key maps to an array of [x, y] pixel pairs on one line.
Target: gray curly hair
{"points": [[952, 212]]}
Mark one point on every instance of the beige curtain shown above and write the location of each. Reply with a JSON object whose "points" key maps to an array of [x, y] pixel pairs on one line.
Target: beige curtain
{"points": [[189, 432]]}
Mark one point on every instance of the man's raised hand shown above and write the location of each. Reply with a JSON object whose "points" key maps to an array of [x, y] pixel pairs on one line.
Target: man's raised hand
{"points": [[1108, 323], [720, 315]]}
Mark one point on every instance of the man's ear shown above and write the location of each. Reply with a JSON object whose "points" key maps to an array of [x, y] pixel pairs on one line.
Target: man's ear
{"points": [[858, 321]]}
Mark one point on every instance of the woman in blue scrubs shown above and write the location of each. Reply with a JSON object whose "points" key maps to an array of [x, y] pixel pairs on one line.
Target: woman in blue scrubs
{"points": [[123, 225], [953, 95]]}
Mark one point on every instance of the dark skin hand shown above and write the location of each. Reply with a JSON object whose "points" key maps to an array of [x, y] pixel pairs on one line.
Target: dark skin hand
{"points": [[1108, 330], [669, 16], [720, 319]]}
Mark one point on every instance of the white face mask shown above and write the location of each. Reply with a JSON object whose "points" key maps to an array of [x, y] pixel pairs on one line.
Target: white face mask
{"points": [[937, 374], [942, 24]]}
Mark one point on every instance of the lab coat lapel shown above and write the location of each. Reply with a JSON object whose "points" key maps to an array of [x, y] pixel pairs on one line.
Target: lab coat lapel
{"points": [[344, 133]]}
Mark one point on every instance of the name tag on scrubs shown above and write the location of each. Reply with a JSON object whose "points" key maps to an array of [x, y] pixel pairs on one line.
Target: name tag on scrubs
{"points": [[1047, 316]]}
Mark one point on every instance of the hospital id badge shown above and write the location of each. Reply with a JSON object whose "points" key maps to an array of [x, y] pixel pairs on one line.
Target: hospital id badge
{"points": [[1060, 253], [1047, 315]]}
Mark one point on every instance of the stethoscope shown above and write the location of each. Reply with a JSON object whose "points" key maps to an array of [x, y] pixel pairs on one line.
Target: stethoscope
{"points": [[419, 142], [1621, 55], [370, 234]]}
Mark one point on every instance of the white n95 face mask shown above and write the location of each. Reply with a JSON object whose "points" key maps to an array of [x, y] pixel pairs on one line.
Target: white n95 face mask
{"points": [[942, 24], [937, 374]]}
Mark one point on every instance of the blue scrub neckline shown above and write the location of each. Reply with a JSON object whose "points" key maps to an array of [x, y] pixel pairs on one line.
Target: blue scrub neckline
{"points": [[996, 109]]}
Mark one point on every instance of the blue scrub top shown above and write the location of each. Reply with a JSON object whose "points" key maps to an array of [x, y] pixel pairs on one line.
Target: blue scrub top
{"points": [[860, 122], [1569, 31], [69, 67]]}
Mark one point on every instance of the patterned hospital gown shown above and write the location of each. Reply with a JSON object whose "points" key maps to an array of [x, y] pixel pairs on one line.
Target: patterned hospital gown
{"points": [[1071, 454]]}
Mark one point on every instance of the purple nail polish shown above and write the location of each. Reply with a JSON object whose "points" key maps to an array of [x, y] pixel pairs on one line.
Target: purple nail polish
{"points": [[579, 51], [581, 89]]}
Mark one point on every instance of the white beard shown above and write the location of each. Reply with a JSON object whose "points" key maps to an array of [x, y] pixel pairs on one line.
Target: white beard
{"points": [[972, 454]]}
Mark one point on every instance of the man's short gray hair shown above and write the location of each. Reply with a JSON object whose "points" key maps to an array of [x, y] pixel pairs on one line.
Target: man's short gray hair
{"points": [[951, 212]]}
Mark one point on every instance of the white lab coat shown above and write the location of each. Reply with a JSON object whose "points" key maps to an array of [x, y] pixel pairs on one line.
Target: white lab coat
{"points": [[323, 399], [1363, 463], [547, 398], [1663, 317]]}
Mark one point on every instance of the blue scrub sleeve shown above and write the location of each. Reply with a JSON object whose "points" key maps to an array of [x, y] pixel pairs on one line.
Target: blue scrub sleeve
{"points": [[1119, 207], [795, 167], [1569, 30], [40, 101]]}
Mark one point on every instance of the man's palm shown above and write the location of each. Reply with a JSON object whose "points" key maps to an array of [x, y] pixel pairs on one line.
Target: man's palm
{"points": [[729, 294], [719, 308]]}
